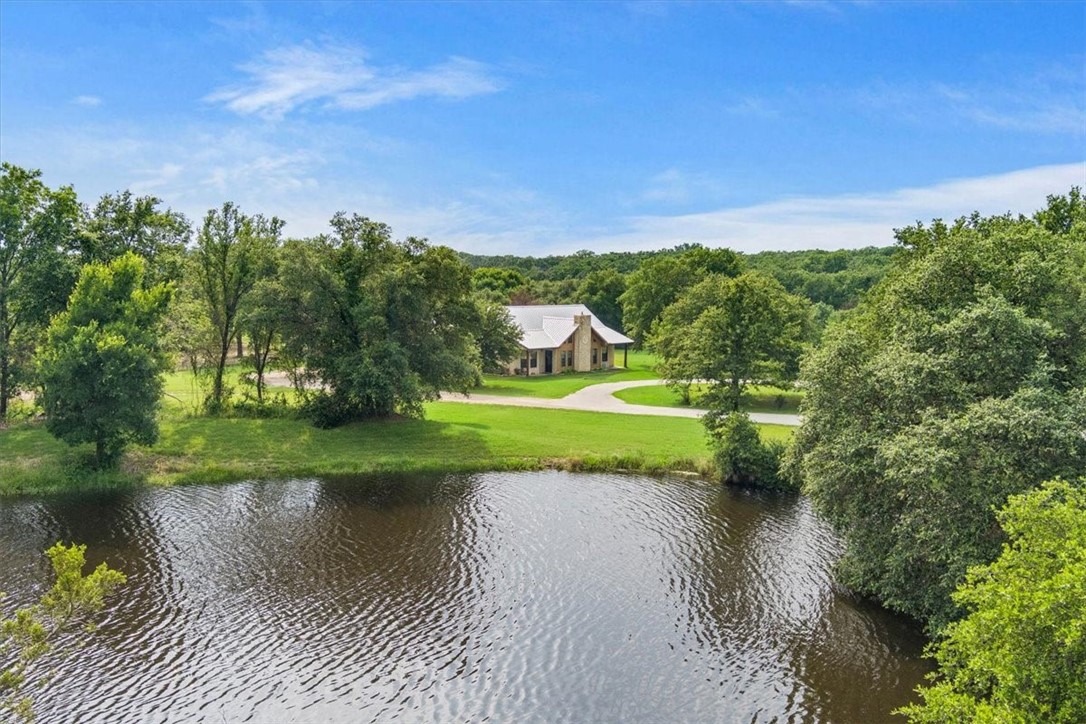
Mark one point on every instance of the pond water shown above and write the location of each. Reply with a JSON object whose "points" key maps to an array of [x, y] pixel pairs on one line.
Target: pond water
{"points": [[542, 596]]}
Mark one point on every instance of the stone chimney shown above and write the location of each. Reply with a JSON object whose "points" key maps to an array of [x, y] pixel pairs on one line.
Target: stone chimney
{"points": [[582, 343]]}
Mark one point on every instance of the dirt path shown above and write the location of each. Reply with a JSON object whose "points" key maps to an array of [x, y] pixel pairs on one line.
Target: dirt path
{"points": [[601, 398]]}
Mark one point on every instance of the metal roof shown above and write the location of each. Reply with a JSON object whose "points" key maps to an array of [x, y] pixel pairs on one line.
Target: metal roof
{"points": [[546, 326]]}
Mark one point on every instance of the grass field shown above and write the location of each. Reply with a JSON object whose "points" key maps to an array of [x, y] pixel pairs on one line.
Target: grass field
{"points": [[758, 399], [453, 437], [554, 386]]}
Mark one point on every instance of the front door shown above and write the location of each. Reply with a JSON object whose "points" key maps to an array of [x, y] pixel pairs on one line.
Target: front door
{"points": [[548, 361]]}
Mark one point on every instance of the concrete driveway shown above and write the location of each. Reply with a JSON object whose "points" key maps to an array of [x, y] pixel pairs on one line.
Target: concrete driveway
{"points": [[601, 398]]}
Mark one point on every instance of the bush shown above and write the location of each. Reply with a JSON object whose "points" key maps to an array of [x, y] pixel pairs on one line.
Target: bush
{"points": [[740, 455]]}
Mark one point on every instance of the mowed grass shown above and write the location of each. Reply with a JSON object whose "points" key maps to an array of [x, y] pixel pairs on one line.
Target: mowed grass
{"points": [[453, 438], [757, 399], [640, 367]]}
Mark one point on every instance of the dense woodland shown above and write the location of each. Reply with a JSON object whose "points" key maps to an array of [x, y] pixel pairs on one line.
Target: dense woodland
{"points": [[944, 431]]}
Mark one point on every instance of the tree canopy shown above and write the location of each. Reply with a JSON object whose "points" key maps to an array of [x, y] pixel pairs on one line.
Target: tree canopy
{"points": [[233, 252], [121, 223], [102, 361], [37, 267], [958, 381], [382, 325], [1019, 655], [730, 332]]}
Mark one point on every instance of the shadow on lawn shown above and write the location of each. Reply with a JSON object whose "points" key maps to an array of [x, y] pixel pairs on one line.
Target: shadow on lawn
{"points": [[295, 446]]}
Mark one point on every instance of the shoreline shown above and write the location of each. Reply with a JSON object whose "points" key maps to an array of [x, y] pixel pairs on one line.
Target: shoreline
{"points": [[452, 438]]}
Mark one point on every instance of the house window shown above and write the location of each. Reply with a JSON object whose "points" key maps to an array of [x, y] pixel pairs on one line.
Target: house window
{"points": [[594, 352], [534, 360], [604, 354]]}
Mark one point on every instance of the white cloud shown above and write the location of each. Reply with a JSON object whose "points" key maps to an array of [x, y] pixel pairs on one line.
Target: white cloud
{"points": [[157, 178], [674, 186], [284, 79], [87, 101], [844, 221]]}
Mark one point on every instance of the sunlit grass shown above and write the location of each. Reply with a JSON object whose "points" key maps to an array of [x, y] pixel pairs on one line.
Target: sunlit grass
{"points": [[453, 437], [640, 367], [757, 399]]}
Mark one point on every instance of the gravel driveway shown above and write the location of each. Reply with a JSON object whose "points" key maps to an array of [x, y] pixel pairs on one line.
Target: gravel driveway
{"points": [[601, 398]]}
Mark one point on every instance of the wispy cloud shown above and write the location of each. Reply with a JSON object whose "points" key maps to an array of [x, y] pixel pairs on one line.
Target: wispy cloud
{"points": [[87, 101], [753, 106], [151, 180], [1051, 101], [284, 79], [1040, 110], [846, 221], [675, 186]]}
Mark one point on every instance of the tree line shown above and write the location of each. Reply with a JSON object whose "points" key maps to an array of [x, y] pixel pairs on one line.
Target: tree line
{"points": [[832, 280], [96, 302]]}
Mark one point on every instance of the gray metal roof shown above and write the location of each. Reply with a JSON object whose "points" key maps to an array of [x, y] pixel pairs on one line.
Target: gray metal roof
{"points": [[546, 326]]}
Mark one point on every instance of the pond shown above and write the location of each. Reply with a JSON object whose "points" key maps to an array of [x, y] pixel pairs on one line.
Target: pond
{"points": [[541, 596]]}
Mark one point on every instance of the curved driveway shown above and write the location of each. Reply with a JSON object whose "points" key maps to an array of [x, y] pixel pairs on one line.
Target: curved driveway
{"points": [[601, 398]]}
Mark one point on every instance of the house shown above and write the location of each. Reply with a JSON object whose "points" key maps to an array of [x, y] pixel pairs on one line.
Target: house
{"points": [[562, 337]]}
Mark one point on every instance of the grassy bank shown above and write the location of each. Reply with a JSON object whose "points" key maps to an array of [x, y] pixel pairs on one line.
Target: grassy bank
{"points": [[453, 437], [758, 399], [640, 367]]}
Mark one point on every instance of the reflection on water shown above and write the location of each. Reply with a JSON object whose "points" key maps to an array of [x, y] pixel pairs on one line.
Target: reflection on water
{"points": [[542, 596]]}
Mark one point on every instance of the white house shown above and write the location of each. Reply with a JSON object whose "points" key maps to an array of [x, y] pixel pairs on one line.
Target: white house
{"points": [[560, 337]]}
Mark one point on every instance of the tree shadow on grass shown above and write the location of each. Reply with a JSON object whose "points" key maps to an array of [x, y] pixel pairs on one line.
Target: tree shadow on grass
{"points": [[292, 446]]}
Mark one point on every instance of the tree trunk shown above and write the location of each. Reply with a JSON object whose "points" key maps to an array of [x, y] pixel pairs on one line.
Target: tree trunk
{"points": [[5, 357], [735, 393], [216, 390], [4, 383], [241, 350]]}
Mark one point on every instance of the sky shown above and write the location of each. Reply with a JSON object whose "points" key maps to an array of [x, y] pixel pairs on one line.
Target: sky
{"points": [[545, 128]]}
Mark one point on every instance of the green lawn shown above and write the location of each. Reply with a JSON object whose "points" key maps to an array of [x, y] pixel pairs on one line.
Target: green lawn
{"points": [[453, 437], [553, 386], [759, 399]]}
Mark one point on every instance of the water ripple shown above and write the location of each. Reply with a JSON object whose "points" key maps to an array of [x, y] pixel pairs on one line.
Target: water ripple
{"points": [[543, 597]]}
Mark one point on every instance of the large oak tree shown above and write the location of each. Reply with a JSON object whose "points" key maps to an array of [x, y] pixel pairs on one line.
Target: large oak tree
{"points": [[960, 380]]}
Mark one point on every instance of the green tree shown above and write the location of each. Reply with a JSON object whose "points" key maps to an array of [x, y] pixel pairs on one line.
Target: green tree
{"points": [[383, 325], [498, 284], [656, 284], [600, 291], [498, 336], [37, 267], [731, 332], [660, 280], [260, 322], [102, 362], [957, 382], [52, 627], [124, 223], [1019, 655], [233, 251]]}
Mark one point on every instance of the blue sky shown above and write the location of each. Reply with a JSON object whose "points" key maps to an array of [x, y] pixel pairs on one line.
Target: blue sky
{"points": [[535, 128]]}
